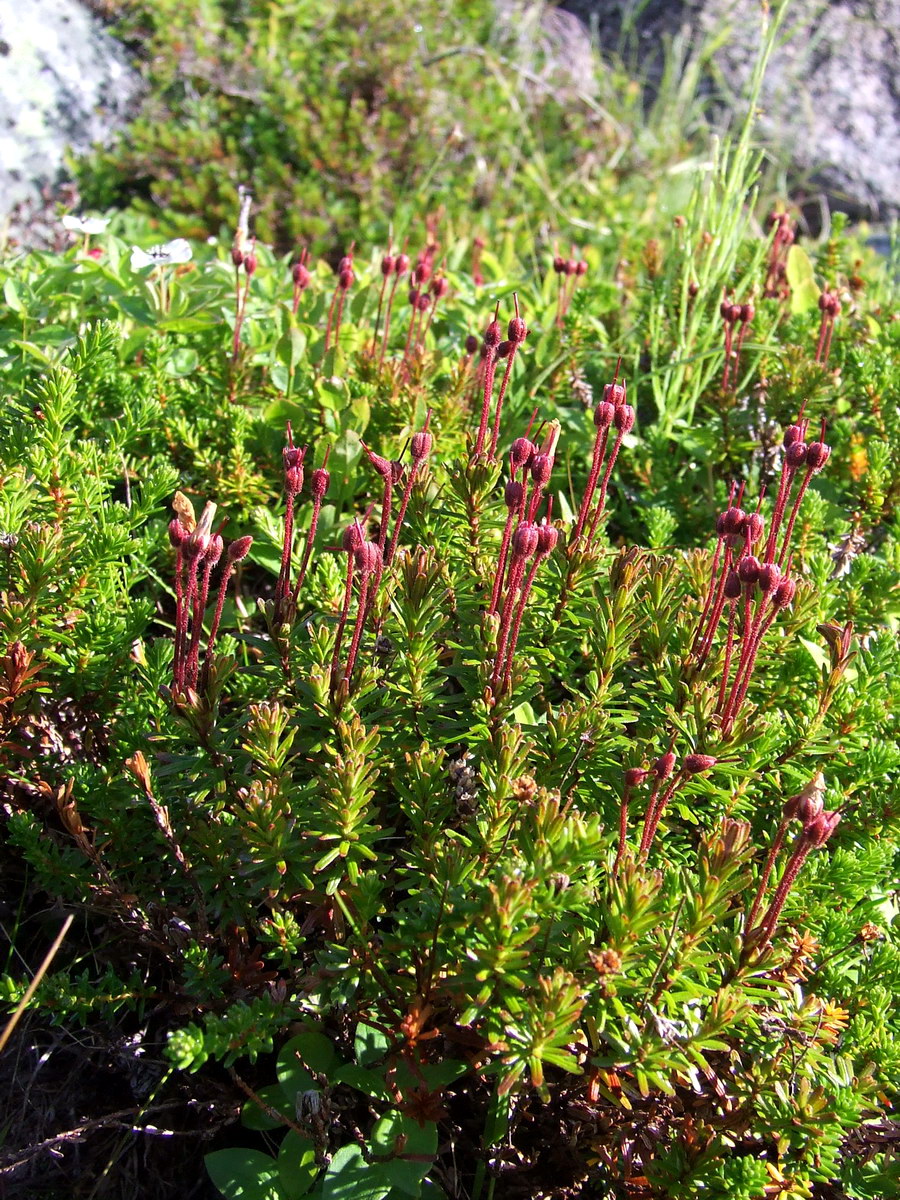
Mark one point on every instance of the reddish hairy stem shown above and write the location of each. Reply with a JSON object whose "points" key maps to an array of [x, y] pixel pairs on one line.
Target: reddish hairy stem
{"points": [[404, 503], [511, 516], [490, 366], [774, 850], [217, 618], [517, 622], [500, 395], [387, 321], [601, 503], [342, 619], [307, 553], [600, 442], [360, 622]]}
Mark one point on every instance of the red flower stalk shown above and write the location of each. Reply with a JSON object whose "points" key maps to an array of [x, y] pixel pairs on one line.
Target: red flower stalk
{"points": [[301, 277], [514, 497], [817, 455], [345, 279], [351, 541], [390, 473], [292, 459], [439, 289], [491, 342], [815, 834], [661, 771], [516, 334], [633, 777], [732, 592], [693, 764], [420, 448], [731, 314], [236, 551], [248, 262], [368, 563], [210, 559], [524, 544], [387, 270], [178, 536], [194, 548], [548, 536], [776, 285], [830, 308], [401, 266], [613, 395], [805, 807], [730, 524], [623, 422], [714, 575], [319, 481]]}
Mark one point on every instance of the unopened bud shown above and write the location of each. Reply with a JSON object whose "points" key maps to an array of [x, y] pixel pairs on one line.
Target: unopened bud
{"points": [[769, 578], [440, 287], [237, 256], [615, 393], [732, 588], [387, 264], [664, 765], [784, 593], [818, 831], [503, 349], [239, 549], [624, 418], [471, 344], [368, 557], [214, 550], [541, 469], [753, 527], [521, 452], [345, 279], [695, 764], [635, 776], [817, 455], [352, 537], [793, 433], [581, 267], [293, 480], [548, 536], [300, 275], [795, 455], [492, 334], [401, 264], [516, 331], [250, 263], [513, 494], [808, 804], [603, 414], [420, 446], [318, 483], [178, 535], [525, 539], [733, 520], [748, 569]]}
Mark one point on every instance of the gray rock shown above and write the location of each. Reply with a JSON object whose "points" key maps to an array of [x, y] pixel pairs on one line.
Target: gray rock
{"points": [[832, 95], [64, 84]]}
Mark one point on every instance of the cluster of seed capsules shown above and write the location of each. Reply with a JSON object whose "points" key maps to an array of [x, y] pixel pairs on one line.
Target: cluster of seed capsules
{"points": [[751, 570]]}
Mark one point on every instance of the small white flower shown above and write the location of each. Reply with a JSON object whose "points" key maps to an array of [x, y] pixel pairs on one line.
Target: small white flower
{"points": [[85, 224], [178, 251]]}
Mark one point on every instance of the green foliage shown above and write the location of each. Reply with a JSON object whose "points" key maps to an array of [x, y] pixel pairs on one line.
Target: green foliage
{"points": [[380, 855]]}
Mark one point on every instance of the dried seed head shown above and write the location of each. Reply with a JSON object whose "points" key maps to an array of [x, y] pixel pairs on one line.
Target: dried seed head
{"points": [[748, 569], [293, 480], [664, 765], [732, 588], [624, 418], [318, 482], [525, 539], [817, 455], [615, 393], [635, 776], [513, 495], [521, 452], [604, 413], [548, 536], [239, 549], [695, 764], [420, 446], [793, 433], [541, 469], [795, 455], [368, 557], [396, 470]]}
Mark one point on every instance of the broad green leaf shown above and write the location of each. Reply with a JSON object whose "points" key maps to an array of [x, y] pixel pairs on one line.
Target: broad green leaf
{"points": [[242, 1174], [350, 1177], [804, 291], [297, 1167]]}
